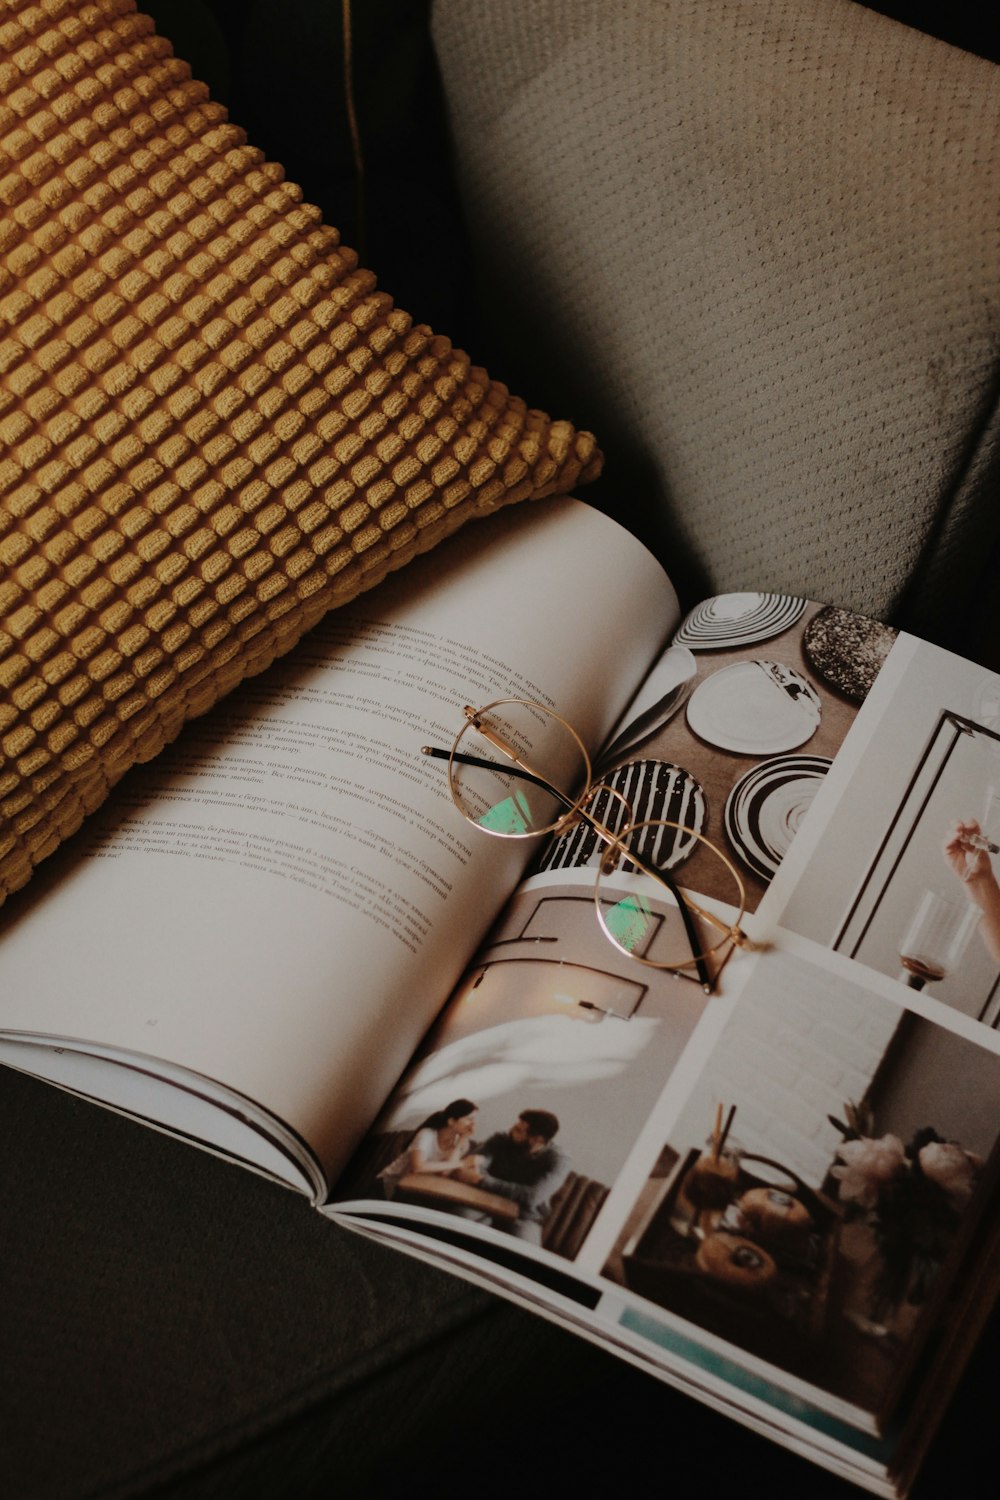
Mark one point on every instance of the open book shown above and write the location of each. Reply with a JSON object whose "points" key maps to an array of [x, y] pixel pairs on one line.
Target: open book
{"points": [[728, 1143]]}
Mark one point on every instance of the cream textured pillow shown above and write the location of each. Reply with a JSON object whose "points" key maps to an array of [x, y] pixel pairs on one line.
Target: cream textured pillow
{"points": [[213, 426], [761, 239]]}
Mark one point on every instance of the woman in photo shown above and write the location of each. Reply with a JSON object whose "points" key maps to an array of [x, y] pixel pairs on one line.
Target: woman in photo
{"points": [[438, 1145]]}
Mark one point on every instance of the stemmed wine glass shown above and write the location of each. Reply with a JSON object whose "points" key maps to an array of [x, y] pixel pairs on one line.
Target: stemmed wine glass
{"points": [[935, 938]]}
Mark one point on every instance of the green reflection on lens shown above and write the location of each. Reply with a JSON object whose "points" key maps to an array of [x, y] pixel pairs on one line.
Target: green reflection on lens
{"points": [[512, 815], [628, 922]]}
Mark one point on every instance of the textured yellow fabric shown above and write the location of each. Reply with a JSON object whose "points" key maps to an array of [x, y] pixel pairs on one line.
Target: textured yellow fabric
{"points": [[213, 426]]}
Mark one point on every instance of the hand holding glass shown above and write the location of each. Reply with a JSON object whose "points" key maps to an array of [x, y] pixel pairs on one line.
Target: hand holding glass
{"points": [[989, 829]]}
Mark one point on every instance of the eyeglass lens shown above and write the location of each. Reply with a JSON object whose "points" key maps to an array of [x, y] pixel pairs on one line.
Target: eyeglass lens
{"points": [[493, 791]]}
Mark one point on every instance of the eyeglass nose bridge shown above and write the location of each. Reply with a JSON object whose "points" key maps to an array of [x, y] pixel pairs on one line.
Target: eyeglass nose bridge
{"points": [[610, 839], [567, 822]]}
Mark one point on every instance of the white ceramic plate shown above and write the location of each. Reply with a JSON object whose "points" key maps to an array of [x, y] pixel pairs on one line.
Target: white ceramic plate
{"points": [[766, 806], [755, 708], [729, 620]]}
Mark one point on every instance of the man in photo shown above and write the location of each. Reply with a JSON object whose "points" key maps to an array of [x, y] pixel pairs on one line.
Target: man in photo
{"points": [[525, 1165]]}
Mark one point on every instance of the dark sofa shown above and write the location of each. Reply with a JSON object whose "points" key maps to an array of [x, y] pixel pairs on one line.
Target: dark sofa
{"points": [[170, 1325]]}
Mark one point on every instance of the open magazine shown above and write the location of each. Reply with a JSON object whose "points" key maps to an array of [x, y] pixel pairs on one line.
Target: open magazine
{"points": [[701, 1060]]}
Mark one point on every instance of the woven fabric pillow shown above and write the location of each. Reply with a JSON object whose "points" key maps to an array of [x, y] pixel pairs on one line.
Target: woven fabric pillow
{"points": [[798, 374], [213, 426]]}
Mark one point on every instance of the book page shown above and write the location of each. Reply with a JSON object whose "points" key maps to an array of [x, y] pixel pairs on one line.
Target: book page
{"points": [[281, 902], [781, 1187]]}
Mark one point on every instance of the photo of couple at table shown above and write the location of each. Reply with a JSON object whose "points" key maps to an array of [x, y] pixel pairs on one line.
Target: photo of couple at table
{"points": [[513, 1174], [531, 1089]]}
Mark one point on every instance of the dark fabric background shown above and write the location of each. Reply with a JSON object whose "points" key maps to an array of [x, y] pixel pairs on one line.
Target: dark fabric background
{"points": [[279, 67], [969, 24]]}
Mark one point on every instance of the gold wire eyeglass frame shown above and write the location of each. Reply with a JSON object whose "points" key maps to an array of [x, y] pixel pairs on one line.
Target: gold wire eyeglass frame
{"points": [[615, 850]]}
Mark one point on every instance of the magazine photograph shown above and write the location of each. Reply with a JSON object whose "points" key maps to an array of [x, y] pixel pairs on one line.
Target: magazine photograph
{"points": [[819, 1184]]}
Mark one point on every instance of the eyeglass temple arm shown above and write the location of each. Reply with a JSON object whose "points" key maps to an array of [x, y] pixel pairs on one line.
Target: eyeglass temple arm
{"points": [[491, 765], [688, 909], [683, 906], [737, 934]]}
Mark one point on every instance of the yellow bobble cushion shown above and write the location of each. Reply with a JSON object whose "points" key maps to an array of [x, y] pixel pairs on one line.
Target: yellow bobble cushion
{"points": [[213, 426]]}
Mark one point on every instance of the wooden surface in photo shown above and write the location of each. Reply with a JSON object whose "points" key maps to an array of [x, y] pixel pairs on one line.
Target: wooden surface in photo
{"points": [[428, 1186], [718, 771]]}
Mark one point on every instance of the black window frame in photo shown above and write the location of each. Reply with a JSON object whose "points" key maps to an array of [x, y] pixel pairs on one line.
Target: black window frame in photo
{"points": [[961, 727]]}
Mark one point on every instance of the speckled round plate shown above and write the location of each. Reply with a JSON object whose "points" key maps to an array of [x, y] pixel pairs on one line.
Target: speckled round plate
{"points": [[847, 650]]}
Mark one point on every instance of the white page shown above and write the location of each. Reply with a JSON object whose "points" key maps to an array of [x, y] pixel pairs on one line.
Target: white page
{"points": [[204, 918]]}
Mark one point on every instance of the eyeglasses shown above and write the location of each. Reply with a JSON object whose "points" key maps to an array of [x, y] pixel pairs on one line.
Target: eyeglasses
{"points": [[504, 787]]}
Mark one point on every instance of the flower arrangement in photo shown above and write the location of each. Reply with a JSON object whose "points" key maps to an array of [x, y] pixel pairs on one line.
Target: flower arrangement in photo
{"points": [[912, 1198]]}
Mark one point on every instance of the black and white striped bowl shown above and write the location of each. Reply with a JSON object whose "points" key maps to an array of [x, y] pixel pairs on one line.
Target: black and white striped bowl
{"points": [[766, 806], [729, 620]]}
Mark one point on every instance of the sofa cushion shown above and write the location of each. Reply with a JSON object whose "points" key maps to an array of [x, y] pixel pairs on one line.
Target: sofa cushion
{"points": [[214, 425], [761, 242]]}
